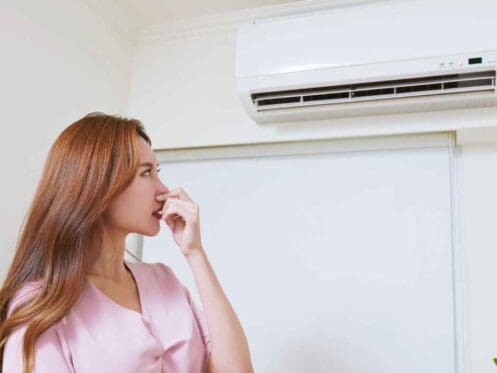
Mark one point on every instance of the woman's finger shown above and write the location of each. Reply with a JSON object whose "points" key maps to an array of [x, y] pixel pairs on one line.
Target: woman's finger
{"points": [[168, 215], [190, 206], [182, 208], [178, 193]]}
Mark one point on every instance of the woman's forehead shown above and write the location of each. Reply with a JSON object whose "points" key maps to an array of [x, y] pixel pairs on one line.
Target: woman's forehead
{"points": [[146, 154]]}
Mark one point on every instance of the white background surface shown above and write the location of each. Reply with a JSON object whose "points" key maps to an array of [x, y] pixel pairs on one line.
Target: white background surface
{"points": [[334, 262]]}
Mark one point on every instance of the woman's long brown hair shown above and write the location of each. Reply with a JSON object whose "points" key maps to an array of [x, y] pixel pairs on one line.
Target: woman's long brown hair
{"points": [[91, 161]]}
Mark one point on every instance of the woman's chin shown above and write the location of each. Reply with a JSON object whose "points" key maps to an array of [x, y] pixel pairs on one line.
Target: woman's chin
{"points": [[151, 230], [155, 231]]}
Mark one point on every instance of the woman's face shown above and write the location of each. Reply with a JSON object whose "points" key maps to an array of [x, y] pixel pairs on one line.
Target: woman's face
{"points": [[131, 211]]}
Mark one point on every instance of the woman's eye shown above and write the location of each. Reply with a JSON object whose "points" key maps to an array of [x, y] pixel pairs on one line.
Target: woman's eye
{"points": [[150, 170]]}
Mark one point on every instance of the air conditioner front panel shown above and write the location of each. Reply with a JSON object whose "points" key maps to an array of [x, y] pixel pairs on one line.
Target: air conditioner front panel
{"points": [[366, 34]]}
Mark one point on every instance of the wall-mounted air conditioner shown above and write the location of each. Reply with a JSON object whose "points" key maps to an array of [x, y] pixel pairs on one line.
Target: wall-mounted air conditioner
{"points": [[387, 57]]}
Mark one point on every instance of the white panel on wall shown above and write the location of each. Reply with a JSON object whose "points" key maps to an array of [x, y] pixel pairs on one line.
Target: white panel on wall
{"points": [[336, 259]]}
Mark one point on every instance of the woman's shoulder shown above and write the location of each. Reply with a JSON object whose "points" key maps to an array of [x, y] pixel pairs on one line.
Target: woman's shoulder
{"points": [[158, 271], [26, 292], [153, 268]]}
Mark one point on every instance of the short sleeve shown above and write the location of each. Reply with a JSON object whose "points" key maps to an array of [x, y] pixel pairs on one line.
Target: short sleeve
{"points": [[197, 311], [51, 349], [49, 353]]}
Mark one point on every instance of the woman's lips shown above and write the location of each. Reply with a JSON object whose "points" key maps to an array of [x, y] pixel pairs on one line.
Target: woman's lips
{"points": [[158, 213]]}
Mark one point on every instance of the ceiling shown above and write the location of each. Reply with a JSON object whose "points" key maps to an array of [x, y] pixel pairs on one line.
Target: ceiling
{"points": [[154, 11], [130, 16]]}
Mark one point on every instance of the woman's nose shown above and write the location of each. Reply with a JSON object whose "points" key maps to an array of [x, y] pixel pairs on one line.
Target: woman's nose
{"points": [[162, 188]]}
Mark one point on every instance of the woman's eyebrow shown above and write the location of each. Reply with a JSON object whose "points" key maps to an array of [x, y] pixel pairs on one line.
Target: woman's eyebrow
{"points": [[148, 164]]}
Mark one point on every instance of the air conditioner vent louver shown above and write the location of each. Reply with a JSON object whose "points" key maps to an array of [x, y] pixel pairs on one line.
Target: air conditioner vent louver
{"points": [[379, 90]]}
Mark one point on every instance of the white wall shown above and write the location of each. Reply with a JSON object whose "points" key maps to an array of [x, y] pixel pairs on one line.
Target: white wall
{"points": [[183, 87], [58, 62], [479, 186]]}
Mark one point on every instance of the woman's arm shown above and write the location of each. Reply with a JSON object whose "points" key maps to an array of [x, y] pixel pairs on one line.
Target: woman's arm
{"points": [[230, 350]]}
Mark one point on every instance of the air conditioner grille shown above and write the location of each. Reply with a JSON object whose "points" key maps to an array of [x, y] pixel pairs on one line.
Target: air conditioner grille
{"points": [[379, 90]]}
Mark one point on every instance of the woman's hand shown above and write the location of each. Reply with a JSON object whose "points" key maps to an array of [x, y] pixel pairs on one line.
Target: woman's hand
{"points": [[181, 215]]}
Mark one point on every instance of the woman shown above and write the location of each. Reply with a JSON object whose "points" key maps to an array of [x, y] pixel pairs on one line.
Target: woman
{"points": [[71, 303]]}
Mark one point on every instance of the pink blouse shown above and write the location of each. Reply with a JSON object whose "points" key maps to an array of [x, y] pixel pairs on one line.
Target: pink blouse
{"points": [[100, 336]]}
